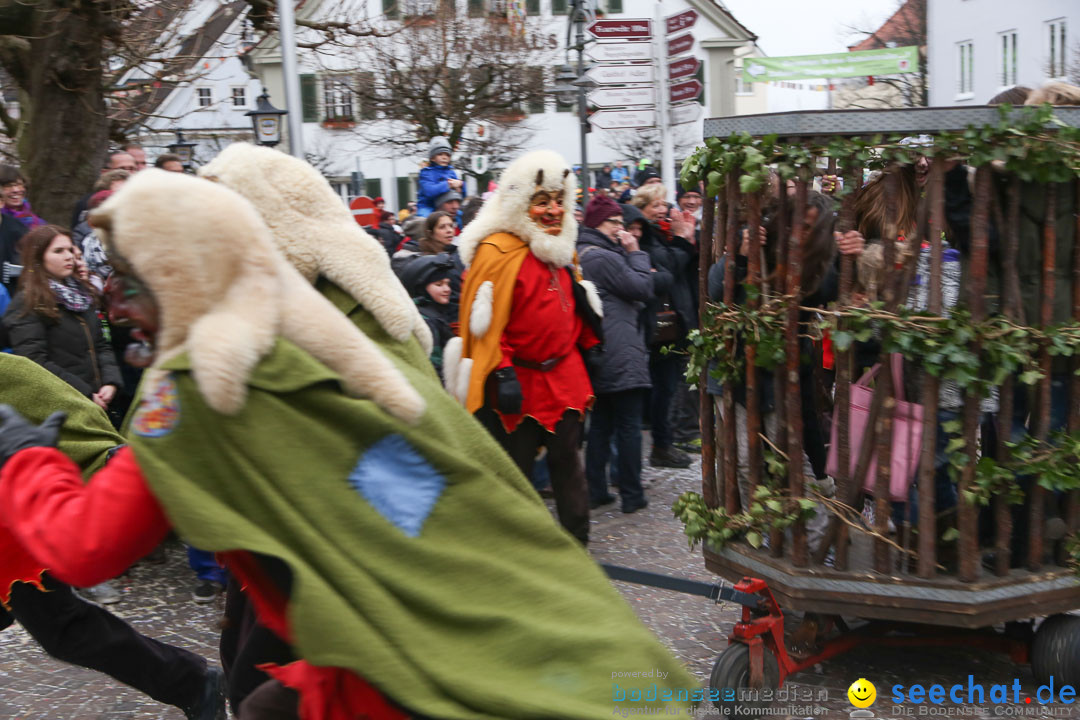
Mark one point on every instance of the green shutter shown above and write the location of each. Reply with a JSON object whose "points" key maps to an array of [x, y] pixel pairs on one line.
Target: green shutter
{"points": [[373, 187], [560, 107], [614, 6], [390, 9], [404, 191], [536, 86], [700, 77], [532, 8], [558, 7], [476, 8], [364, 95], [309, 100]]}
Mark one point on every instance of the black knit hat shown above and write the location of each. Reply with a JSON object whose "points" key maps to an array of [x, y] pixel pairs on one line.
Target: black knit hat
{"points": [[644, 174], [419, 272]]}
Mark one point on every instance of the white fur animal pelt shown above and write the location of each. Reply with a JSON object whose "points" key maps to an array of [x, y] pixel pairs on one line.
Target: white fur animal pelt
{"points": [[225, 293], [313, 228]]}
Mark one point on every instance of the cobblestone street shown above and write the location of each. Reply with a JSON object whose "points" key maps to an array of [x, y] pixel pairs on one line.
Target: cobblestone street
{"points": [[157, 601]]}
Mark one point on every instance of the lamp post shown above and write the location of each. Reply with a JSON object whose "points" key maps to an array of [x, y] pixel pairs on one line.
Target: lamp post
{"points": [[182, 149], [266, 120], [570, 84]]}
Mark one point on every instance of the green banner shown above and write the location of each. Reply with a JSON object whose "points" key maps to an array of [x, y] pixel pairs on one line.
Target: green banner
{"points": [[890, 61]]}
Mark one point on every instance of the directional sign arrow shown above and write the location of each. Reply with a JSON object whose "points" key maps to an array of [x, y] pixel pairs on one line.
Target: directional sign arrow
{"points": [[679, 45], [621, 74], [606, 52], [683, 67], [680, 21], [687, 90], [621, 97], [615, 119], [625, 29], [684, 113]]}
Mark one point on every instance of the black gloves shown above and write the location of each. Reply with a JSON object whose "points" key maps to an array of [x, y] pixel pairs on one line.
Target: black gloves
{"points": [[16, 433], [508, 397], [594, 359]]}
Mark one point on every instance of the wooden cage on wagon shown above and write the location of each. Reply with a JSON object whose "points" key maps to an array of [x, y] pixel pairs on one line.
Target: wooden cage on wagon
{"points": [[992, 557]]}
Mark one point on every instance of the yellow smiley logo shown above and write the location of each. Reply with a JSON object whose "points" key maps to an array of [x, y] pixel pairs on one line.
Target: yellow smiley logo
{"points": [[862, 693]]}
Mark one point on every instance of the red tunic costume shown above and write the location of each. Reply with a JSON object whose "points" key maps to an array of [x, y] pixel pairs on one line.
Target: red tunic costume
{"points": [[545, 325], [87, 533]]}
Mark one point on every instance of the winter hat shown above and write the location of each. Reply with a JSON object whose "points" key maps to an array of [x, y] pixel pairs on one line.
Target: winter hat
{"points": [[438, 144], [447, 197], [680, 191], [644, 174], [414, 227], [423, 270], [601, 208], [97, 198]]}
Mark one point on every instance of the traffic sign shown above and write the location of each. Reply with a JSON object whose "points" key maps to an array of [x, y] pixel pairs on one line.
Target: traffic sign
{"points": [[680, 21], [621, 74], [627, 29], [616, 119], [606, 52], [683, 67], [686, 90], [679, 45], [621, 97], [685, 113], [363, 211]]}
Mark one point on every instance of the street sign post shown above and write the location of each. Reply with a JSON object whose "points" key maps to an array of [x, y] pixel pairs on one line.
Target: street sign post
{"points": [[686, 90], [621, 97], [626, 29], [617, 119], [680, 21], [621, 74], [683, 67], [679, 45], [363, 211], [685, 113], [607, 52]]}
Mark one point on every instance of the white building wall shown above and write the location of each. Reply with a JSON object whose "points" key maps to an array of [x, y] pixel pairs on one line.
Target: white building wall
{"points": [[346, 152], [980, 24]]}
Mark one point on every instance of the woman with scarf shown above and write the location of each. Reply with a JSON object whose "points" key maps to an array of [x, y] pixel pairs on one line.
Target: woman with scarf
{"points": [[16, 218], [53, 318]]}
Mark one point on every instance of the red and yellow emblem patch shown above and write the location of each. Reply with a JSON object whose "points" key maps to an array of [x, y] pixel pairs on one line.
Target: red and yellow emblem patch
{"points": [[159, 410]]}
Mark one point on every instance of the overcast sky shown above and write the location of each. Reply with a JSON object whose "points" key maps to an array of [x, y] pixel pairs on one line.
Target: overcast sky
{"points": [[809, 27]]}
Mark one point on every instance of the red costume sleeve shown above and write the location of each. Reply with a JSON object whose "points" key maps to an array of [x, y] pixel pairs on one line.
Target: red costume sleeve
{"points": [[587, 338], [83, 533]]}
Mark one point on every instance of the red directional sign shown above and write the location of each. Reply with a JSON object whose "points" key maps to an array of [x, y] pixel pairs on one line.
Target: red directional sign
{"points": [[628, 29], [363, 211], [679, 45], [688, 90], [680, 21], [683, 67]]}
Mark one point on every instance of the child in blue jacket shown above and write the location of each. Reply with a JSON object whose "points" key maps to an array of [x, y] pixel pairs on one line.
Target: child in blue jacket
{"points": [[439, 178]]}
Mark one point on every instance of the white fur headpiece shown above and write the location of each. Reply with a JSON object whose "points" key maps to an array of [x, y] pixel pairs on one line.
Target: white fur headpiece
{"points": [[507, 210], [316, 232], [224, 292]]}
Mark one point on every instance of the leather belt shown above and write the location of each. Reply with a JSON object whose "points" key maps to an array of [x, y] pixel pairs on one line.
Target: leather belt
{"points": [[545, 366]]}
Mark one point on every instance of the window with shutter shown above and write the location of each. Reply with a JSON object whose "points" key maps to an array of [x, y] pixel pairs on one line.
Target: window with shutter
{"points": [[476, 8], [309, 98], [404, 191], [558, 7], [373, 187], [532, 8], [390, 9], [614, 6]]}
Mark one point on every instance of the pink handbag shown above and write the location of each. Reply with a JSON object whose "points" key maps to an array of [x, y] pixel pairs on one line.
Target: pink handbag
{"points": [[907, 429]]}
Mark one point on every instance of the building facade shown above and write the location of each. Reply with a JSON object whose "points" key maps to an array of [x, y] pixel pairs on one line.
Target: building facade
{"points": [[977, 48]]}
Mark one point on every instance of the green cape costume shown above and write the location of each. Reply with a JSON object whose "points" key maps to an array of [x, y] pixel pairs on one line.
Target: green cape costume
{"points": [[421, 558], [86, 438]]}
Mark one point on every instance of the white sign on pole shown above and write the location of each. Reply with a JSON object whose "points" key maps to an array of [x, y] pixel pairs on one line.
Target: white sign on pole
{"points": [[685, 113], [621, 74], [479, 164], [621, 97], [616, 119], [607, 52]]}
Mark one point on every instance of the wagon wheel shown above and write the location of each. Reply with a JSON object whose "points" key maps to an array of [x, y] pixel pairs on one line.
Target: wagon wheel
{"points": [[731, 674], [1056, 650]]}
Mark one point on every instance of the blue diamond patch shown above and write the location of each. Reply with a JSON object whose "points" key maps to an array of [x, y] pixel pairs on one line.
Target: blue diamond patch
{"points": [[398, 482]]}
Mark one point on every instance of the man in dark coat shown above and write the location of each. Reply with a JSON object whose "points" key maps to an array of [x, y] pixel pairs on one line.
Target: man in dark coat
{"points": [[612, 260]]}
